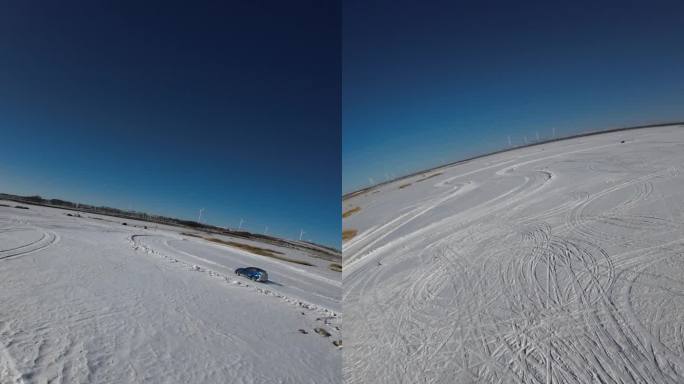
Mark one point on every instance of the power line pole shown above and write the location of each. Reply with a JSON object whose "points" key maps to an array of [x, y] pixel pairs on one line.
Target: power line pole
{"points": [[199, 217]]}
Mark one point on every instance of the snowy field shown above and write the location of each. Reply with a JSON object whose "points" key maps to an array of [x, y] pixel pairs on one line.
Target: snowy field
{"points": [[557, 263], [90, 300]]}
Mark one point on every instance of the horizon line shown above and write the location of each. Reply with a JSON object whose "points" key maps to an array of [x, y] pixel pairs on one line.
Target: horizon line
{"points": [[359, 191]]}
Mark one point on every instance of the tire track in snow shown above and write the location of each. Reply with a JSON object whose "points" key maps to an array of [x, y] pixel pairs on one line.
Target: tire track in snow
{"points": [[527, 286], [325, 314], [46, 240]]}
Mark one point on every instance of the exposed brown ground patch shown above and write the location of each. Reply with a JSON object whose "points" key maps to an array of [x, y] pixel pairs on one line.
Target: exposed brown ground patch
{"points": [[429, 177], [253, 249], [350, 212], [348, 234], [419, 180], [335, 267]]}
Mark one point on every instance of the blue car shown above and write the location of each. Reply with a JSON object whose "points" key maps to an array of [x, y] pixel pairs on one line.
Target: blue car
{"points": [[253, 273]]}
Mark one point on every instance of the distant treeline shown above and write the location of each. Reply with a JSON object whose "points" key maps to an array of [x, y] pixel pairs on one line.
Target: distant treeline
{"points": [[109, 211], [325, 252]]}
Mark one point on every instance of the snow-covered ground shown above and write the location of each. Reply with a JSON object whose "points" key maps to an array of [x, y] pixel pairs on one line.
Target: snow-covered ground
{"points": [[89, 300], [557, 263]]}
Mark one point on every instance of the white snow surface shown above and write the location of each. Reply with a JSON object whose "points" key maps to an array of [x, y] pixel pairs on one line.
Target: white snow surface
{"points": [[556, 263], [89, 300]]}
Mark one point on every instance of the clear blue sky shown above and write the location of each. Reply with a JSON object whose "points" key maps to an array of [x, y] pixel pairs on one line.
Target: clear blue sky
{"points": [[167, 108], [430, 82]]}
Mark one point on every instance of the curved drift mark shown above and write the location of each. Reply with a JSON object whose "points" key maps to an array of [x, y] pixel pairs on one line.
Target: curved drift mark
{"points": [[139, 246], [46, 240], [386, 230]]}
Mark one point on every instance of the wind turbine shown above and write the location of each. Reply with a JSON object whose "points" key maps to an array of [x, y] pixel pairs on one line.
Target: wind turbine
{"points": [[266, 230], [199, 217], [553, 132], [301, 234], [537, 135], [241, 221], [509, 140]]}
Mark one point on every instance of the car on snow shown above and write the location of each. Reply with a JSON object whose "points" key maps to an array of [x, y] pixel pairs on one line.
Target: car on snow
{"points": [[253, 273]]}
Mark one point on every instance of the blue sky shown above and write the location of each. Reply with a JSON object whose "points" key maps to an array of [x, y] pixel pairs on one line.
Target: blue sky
{"points": [[425, 83], [168, 108]]}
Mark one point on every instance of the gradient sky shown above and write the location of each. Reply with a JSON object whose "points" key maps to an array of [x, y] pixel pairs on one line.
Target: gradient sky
{"points": [[425, 83], [171, 107]]}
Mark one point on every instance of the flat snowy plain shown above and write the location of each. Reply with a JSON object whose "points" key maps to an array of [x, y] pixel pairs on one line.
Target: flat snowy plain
{"points": [[89, 300], [556, 263]]}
